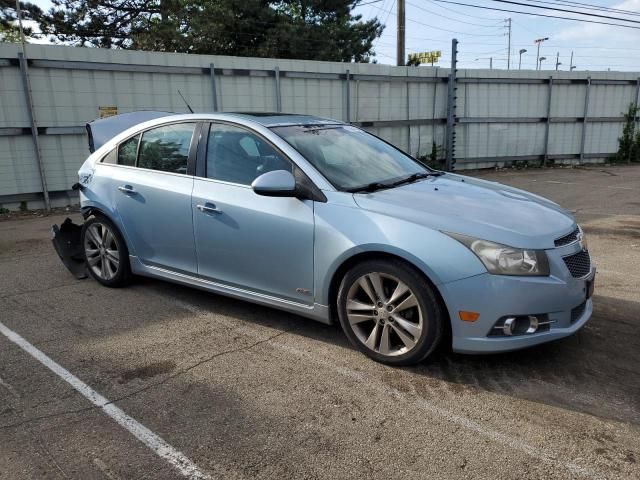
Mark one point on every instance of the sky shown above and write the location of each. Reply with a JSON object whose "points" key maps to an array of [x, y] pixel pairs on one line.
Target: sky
{"points": [[482, 35]]}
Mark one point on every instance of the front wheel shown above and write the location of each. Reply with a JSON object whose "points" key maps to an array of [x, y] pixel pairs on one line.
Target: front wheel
{"points": [[390, 312], [105, 252]]}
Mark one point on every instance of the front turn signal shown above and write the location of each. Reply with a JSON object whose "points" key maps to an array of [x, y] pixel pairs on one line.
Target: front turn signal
{"points": [[468, 316]]}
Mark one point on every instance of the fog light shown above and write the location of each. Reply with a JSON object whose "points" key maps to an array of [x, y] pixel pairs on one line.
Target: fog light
{"points": [[520, 325]]}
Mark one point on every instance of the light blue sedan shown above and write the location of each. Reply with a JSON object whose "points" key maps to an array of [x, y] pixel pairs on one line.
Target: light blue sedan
{"points": [[325, 220]]}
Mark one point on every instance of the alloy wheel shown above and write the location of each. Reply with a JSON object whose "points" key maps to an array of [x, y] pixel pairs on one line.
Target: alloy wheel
{"points": [[101, 250], [384, 313]]}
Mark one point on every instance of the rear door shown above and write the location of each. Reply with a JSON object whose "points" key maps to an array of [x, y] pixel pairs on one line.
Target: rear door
{"points": [[153, 195], [258, 243]]}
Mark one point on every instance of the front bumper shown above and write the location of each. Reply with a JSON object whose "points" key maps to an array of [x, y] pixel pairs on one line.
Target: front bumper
{"points": [[66, 240], [497, 296]]}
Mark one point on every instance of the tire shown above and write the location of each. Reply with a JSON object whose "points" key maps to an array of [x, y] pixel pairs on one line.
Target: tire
{"points": [[407, 317], [105, 252]]}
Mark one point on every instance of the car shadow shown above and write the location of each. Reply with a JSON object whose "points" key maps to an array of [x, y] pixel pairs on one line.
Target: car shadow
{"points": [[591, 372]]}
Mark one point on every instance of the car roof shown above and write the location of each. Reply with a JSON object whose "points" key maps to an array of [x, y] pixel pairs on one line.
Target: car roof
{"points": [[271, 119]]}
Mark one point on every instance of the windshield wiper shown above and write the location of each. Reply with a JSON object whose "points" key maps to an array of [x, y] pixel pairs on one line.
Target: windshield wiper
{"points": [[374, 186], [371, 187], [416, 176]]}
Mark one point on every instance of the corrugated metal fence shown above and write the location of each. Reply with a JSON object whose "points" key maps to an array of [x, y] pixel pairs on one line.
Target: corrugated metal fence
{"points": [[503, 116]]}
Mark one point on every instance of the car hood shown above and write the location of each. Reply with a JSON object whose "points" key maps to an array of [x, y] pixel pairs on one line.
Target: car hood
{"points": [[482, 209]]}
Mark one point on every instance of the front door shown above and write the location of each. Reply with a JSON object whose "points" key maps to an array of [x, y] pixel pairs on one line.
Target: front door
{"points": [[262, 244], [153, 197]]}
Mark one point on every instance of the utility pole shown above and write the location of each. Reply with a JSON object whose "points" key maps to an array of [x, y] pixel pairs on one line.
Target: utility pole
{"points": [[509, 45], [558, 60], [400, 33], [539, 41]]}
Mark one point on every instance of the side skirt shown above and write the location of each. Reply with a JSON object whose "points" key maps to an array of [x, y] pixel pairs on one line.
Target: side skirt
{"points": [[315, 312]]}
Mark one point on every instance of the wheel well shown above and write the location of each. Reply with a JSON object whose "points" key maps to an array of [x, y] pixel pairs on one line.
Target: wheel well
{"points": [[89, 211], [362, 257], [93, 211]]}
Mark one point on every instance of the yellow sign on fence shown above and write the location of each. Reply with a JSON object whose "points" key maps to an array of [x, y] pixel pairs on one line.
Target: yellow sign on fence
{"points": [[104, 112], [426, 57]]}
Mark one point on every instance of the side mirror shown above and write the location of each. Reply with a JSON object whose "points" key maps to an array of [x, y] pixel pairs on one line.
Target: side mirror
{"points": [[277, 183]]}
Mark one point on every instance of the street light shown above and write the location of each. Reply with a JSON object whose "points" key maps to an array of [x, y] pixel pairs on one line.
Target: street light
{"points": [[522, 50], [571, 65], [540, 62], [539, 41]]}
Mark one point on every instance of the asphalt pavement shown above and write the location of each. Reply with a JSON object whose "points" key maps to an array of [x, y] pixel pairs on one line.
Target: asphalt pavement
{"points": [[227, 389]]}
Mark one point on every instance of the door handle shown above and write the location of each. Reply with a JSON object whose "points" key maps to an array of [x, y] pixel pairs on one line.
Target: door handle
{"points": [[126, 189], [208, 208]]}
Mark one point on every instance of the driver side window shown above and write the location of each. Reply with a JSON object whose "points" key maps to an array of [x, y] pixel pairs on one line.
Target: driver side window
{"points": [[239, 156]]}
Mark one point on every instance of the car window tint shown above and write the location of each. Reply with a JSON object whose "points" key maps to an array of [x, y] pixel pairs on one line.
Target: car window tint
{"points": [[127, 151], [166, 148], [236, 155]]}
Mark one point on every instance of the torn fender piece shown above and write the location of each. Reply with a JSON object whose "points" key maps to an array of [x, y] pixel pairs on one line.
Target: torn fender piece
{"points": [[67, 241]]}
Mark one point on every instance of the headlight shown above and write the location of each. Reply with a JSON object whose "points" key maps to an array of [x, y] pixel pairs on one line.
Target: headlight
{"points": [[503, 260]]}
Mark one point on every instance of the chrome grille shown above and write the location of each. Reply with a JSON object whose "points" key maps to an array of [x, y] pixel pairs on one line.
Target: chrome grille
{"points": [[567, 239], [577, 312], [579, 264]]}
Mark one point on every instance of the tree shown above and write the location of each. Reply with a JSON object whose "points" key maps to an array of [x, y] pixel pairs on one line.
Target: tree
{"points": [[9, 30], [629, 142], [304, 29]]}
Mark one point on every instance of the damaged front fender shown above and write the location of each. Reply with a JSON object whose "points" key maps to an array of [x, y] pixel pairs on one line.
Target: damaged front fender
{"points": [[67, 240]]}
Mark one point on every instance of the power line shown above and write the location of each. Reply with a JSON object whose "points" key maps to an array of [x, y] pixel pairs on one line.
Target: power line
{"points": [[390, 13], [587, 6], [461, 13], [537, 14], [368, 3], [386, 19], [564, 10], [449, 18]]}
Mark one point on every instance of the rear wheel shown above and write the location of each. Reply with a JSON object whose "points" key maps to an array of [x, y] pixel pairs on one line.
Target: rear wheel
{"points": [[105, 252], [389, 312]]}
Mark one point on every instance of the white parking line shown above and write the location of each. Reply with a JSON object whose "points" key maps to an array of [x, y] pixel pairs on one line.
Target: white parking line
{"points": [[178, 460]]}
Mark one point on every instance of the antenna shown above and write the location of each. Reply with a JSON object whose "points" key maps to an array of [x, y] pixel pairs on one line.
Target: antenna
{"points": [[185, 101]]}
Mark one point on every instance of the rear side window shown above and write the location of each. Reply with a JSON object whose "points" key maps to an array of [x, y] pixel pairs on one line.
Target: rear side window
{"points": [[166, 148], [110, 157], [127, 152]]}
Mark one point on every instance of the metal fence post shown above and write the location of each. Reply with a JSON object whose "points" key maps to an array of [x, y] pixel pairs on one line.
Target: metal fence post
{"points": [[584, 120], [547, 125], [34, 127], [278, 92], [635, 115], [409, 118], [348, 112], [451, 107], [212, 70]]}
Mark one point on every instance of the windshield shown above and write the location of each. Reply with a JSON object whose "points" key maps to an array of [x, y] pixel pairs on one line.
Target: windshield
{"points": [[350, 158]]}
